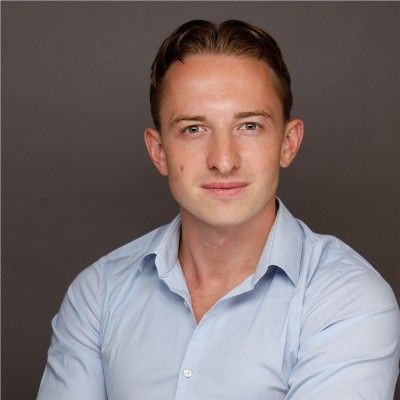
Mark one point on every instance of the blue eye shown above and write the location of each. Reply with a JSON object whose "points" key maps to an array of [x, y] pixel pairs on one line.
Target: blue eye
{"points": [[192, 129], [250, 126]]}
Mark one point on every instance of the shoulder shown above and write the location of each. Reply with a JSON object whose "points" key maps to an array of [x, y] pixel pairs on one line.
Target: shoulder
{"points": [[118, 265], [339, 283], [131, 253], [348, 323]]}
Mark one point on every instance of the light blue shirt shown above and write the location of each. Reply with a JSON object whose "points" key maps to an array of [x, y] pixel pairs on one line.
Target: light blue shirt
{"points": [[314, 321]]}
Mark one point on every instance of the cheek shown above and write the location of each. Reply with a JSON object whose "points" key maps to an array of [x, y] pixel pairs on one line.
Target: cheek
{"points": [[263, 159], [186, 160]]}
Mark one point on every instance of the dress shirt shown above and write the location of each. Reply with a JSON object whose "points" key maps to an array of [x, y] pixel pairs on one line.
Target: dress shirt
{"points": [[314, 321]]}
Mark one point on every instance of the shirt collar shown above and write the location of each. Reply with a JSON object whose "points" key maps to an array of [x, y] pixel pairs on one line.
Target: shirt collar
{"points": [[282, 249], [163, 248]]}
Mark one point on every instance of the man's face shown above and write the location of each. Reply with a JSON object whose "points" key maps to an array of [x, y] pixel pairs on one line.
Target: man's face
{"points": [[222, 139]]}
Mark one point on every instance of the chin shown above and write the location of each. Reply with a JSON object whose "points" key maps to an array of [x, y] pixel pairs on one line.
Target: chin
{"points": [[224, 214], [222, 218]]}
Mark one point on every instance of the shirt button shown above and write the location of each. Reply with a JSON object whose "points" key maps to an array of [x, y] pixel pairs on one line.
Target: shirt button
{"points": [[187, 373]]}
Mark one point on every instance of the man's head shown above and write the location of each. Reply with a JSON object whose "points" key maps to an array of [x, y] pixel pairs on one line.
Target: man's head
{"points": [[222, 122], [232, 37]]}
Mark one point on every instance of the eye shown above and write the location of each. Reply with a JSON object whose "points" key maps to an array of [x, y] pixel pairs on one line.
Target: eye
{"points": [[250, 126], [191, 129]]}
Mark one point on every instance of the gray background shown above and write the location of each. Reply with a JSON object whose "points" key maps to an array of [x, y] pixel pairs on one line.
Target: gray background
{"points": [[77, 182]]}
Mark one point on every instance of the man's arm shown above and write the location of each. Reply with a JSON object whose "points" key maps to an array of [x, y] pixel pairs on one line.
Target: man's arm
{"points": [[74, 368], [349, 343]]}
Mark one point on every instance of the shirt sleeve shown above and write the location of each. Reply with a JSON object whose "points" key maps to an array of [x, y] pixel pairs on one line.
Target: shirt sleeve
{"points": [[74, 367], [349, 342]]}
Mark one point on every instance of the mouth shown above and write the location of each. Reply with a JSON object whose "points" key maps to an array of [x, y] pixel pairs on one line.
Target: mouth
{"points": [[224, 189]]}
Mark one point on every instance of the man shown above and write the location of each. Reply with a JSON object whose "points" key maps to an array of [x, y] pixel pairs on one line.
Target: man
{"points": [[235, 298]]}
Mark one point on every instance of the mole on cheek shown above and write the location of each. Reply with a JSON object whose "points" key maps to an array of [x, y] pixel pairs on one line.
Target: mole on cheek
{"points": [[181, 168]]}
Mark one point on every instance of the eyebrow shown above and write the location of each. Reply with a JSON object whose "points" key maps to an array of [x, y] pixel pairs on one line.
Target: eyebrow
{"points": [[237, 116], [257, 113], [181, 118]]}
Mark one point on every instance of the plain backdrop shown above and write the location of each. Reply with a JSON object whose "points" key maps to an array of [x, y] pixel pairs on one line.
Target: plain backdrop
{"points": [[77, 182]]}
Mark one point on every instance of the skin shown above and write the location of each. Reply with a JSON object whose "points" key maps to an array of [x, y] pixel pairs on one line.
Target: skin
{"points": [[221, 144]]}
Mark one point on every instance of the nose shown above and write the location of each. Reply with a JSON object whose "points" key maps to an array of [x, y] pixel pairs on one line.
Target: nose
{"points": [[223, 153]]}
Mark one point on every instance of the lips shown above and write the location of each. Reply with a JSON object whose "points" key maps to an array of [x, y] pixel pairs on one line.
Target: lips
{"points": [[224, 189], [224, 185]]}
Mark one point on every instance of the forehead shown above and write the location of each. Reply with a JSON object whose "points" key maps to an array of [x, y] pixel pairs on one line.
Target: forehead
{"points": [[213, 68], [208, 82]]}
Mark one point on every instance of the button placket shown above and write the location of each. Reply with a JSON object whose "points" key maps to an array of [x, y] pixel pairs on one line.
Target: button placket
{"points": [[194, 351]]}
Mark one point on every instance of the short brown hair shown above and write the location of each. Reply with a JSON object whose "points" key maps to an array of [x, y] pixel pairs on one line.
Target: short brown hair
{"points": [[231, 37]]}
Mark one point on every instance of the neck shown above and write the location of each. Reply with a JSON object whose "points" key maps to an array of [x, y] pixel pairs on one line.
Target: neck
{"points": [[222, 256]]}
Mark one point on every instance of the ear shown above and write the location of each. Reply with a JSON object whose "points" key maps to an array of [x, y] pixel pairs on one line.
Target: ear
{"points": [[292, 137], [155, 149]]}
